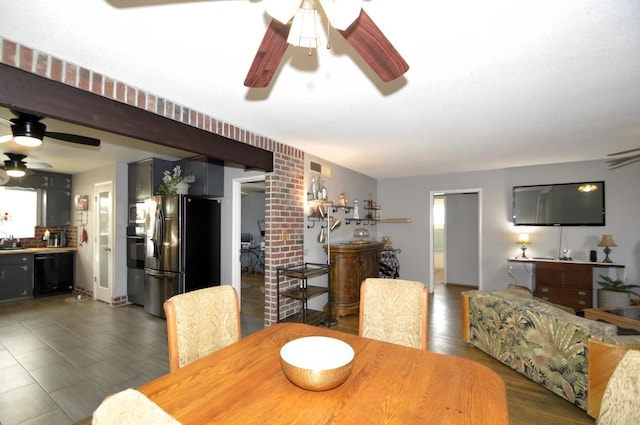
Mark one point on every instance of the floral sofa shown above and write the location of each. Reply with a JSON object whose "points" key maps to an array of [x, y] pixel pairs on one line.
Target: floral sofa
{"points": [[542, 341]]}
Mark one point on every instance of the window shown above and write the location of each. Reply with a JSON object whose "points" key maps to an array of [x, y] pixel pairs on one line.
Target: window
{"points": [[18, 212]]}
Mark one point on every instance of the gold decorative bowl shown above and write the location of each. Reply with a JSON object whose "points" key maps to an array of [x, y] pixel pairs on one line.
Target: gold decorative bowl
{"points": [[317, 363]]}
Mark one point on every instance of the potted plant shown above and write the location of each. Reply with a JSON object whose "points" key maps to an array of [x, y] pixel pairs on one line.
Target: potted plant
{"points": [[614, 293]]}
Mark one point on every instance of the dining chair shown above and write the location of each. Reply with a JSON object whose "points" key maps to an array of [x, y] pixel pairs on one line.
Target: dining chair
{"points": [[201, 322], [394, 310], [130, 407], [621, 399]]}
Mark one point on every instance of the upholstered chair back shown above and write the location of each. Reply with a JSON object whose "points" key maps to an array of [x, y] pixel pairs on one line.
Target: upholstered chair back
{"points": [[394, 310], [130, 407], [201, 322], [621, 399]]}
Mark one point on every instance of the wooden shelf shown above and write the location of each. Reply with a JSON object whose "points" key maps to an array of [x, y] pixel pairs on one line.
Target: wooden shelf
{"points": [[394, 220], [304, 293], [313, 317]]}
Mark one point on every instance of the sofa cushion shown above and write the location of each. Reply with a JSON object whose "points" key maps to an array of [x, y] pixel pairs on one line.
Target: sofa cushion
{"points": [[541, 341]]}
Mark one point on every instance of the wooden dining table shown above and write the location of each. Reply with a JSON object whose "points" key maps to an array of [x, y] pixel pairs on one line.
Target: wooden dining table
{"points": [[389, 384]]}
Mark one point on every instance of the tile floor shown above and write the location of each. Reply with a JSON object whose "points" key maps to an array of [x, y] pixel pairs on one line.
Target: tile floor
{"points": [[60, 356]]}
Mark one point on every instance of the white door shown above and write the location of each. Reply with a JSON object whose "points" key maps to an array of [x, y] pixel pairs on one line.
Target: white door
{"points": [[103, 257]]}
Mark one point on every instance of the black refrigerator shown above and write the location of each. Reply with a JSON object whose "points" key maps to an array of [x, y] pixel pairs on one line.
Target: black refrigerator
{"points": [[182, 243]]}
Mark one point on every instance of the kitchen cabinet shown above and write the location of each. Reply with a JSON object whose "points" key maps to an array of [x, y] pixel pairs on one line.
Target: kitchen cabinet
{"points": [[16, 276], [55, 189], [351, 263], [54, 273], [57, 207], [208, 174], [145, 176]]}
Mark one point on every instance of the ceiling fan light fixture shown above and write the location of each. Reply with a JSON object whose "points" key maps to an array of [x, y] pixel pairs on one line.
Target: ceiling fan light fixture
{"points": [[15, 168], [27, 141], [28, 133], [306, 27]]}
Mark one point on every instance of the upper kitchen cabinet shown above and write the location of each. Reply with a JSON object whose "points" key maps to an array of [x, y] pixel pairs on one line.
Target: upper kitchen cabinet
{"points": [[208, 174], [55, 190], [145, 176]]}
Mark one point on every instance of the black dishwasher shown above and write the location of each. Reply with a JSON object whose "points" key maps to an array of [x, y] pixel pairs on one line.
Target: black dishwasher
{"points": [[53, 273]]}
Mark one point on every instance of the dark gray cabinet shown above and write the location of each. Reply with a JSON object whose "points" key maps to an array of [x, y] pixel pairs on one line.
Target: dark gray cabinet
{"points": [[16, 276], [57, 207], [209, 175], [145, 176], [55, 195]]}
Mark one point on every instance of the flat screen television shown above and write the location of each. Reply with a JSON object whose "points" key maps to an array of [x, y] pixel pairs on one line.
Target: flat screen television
{"points": [[565, 204]]}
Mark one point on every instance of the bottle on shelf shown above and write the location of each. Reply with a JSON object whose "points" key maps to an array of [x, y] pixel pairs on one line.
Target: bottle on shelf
{"points": [[356, 211], [314, 188]]}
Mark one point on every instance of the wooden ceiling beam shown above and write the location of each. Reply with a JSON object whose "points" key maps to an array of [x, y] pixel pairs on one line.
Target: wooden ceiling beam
{"points": [[34, 94]]}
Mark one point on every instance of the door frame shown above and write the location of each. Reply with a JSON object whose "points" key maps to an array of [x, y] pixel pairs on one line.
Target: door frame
{"points": [[432, 195], [98, 293], [236, 227]]}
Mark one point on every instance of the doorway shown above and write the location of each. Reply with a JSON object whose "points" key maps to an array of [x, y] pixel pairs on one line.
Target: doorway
{"points": [[103, 258], [248, 230], [456, 255]]}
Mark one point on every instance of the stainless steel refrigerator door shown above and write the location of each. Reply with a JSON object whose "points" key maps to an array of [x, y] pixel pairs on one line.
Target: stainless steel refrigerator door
{"points": [[159, 287], [163, 234]]}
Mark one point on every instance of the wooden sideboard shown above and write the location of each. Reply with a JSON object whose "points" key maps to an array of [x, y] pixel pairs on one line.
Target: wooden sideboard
{"points": [[568, 283], [351, 263]]}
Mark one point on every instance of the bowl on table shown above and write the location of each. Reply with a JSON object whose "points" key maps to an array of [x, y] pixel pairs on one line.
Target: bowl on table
{"points": [[317, 363]]}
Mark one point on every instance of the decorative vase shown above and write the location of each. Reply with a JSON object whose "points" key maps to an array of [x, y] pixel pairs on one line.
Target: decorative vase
{"points": [[613, 299]]}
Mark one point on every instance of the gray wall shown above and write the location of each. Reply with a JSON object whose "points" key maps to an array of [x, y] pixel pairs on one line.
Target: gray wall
{"points": [[355, 186], [83, 184], [409, 197]]}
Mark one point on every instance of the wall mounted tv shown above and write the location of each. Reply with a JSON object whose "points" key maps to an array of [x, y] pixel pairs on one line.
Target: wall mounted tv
{"points": [[566, 204]]}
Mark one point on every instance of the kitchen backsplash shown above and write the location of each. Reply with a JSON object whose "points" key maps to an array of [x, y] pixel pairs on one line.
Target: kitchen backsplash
{"points": [[37, 242]]}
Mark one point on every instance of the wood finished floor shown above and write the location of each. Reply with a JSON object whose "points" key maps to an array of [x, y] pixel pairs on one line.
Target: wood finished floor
{"points": [[60, 357]]}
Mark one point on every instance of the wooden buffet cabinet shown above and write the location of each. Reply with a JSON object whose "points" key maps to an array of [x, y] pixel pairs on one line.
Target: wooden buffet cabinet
{"points": [[568, 283], [351, 263]]}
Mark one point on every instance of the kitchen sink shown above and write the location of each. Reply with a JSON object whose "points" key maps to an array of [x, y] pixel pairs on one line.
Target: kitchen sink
{"points": [[9, 247]]}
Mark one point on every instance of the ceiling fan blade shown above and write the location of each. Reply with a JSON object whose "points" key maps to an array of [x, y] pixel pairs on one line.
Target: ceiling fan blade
{"points": [[623, 152], [269, 55], [372, 45], [614, 166], [6, 121], [73, 138]]}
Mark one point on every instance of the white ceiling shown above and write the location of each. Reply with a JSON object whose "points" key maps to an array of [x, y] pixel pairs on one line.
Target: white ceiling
{"points": [[491, 84]]}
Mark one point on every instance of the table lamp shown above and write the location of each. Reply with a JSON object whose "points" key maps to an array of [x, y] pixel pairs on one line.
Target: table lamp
{"points": [[523, 239], [606, 242]]}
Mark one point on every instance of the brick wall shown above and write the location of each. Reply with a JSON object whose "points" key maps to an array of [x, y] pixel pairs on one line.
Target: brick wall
{"points": [[284, 187]]}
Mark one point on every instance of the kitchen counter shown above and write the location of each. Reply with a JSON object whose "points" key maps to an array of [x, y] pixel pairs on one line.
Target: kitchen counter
{"points": [[37, 250]]}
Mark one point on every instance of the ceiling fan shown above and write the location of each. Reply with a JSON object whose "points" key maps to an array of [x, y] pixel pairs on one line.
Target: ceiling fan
{"points": [[16, 166], [27, 130], [625, 160], [346, 16]]}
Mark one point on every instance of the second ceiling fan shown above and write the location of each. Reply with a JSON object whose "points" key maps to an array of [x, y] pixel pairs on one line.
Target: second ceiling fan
{"points": [[346, 16], [28, 130]]}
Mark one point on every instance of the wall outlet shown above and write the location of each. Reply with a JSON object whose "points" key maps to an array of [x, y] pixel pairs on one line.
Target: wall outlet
{"points": [[284, 234]]}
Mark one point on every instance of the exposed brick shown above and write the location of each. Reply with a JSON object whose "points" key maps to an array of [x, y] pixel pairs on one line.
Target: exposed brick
{"points": [[109, 88], [42, 64], [26, 58], [84, 80], [96, 83], [55, 71], [70, 74], [9, 52], [121, 91]]}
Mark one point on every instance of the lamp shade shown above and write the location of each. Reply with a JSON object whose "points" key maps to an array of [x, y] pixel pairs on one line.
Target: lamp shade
{"points": [[523, 239], [305, 28], [606, 240]]}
